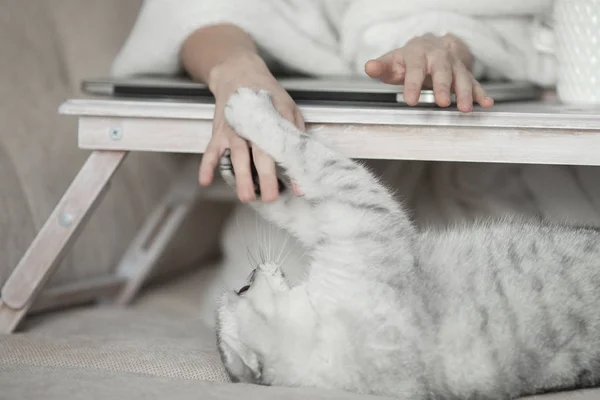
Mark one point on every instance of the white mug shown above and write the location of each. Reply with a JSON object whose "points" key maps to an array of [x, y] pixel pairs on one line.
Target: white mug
{"points": [[577, 30]]}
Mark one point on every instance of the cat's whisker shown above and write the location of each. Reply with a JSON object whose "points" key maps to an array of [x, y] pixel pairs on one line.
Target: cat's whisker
{"points": [[251, 259], [304, 253], [259, 240], [249, 255], [271, 244], [267, 244], [287, 255], [261, 254], [285, 240]]}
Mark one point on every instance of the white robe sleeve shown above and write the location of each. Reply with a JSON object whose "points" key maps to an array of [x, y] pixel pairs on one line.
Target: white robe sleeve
{"points": [[321, 38], [504, 36], [295, 33]]}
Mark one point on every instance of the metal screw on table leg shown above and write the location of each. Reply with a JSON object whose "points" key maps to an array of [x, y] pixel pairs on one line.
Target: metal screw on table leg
{"points": [[115, 133], [65, 219]]}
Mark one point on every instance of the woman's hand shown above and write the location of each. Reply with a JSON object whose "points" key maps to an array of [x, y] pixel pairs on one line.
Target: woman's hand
{"points": [[244, 70], [441, 63]]}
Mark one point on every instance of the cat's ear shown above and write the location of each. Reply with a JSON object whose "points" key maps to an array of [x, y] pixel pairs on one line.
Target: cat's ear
{"points": [[241, 364]]}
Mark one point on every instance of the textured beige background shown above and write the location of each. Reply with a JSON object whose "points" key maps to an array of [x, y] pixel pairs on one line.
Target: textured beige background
{"points": [[46, 48]]}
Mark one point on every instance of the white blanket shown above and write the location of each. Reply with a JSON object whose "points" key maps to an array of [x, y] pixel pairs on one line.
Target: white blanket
{"points": [[336, 37]]}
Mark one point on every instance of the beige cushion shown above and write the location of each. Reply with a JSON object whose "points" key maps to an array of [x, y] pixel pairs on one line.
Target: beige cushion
{"points": [[34, 383], [118, 353], [112, 353], [118, 340], [119, 323], [19, 381], [592, 394], [45, 383], [184, 359]]}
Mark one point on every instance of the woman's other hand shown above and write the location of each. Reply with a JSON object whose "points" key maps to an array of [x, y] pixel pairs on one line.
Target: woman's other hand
{"points": [[441, 63]]}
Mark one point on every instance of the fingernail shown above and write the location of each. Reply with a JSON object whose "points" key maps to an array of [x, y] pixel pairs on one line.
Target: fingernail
{"points": [[270, 199], [296, 189], [246, 196], [465, 107]]}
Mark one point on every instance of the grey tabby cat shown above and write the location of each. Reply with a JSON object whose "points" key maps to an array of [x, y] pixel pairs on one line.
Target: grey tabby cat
{"points": [[493, 311]]}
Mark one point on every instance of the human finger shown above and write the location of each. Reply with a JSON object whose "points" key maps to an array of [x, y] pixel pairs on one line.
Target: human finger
{"points": [[481, 96], [386, 68], [416, 71], [209, 162], [376, 68], [267, 177], [441, 78], [463, 87], [299, 120], [240, 159]]}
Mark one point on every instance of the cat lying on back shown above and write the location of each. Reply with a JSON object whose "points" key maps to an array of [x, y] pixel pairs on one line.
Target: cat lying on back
{"points": [[493, 311]]}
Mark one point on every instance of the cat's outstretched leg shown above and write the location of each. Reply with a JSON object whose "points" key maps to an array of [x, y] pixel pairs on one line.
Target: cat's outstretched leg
{"points": [[320, 171], [354, 214]]}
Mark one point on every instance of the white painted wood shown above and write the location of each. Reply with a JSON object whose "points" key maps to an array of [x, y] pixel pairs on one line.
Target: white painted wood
{"points": [[54, 238], [432, 143], [10, 318], [144, 134], [77, 293], [550, 115], [156, 233]]}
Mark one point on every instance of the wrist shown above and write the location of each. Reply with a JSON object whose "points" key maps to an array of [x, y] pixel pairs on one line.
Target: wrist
{"points": [[239, 62]]}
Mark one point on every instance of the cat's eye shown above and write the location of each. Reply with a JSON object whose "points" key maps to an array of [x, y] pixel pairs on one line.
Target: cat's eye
{"points": [[244, 289]]}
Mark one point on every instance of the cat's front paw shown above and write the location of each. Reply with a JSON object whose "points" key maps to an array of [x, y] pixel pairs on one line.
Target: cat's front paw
{"points": [[247, 111]]}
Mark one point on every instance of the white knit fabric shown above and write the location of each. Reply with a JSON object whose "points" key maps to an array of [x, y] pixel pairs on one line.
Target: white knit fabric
{"points": [[336, 37]]}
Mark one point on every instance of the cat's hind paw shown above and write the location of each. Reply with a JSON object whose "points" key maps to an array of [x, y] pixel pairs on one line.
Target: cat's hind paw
{"points": [[250, 113]]}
